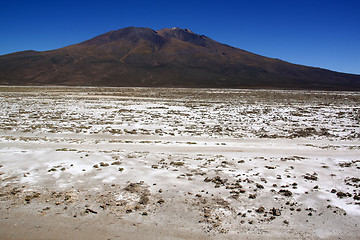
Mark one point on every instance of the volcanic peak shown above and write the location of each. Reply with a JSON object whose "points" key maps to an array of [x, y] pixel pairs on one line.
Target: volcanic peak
{"points": [[130, 34], [170, 57]]}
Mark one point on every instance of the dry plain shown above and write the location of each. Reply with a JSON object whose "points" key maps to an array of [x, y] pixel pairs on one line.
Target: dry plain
{"points": [[157, 163]]}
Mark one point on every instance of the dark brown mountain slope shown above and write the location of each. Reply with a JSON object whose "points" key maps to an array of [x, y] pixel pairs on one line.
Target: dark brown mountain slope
{"points": [[166, 58]]}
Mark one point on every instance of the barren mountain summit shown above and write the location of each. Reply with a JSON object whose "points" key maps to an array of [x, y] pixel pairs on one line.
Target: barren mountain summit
{"points": [[171, 57]]}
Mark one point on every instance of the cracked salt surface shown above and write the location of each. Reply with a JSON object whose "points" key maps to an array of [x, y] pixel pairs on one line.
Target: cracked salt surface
{"points": [[216, 153]]}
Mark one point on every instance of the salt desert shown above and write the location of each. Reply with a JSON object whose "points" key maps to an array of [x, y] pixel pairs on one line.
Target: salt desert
{"points": [[157, 163]]}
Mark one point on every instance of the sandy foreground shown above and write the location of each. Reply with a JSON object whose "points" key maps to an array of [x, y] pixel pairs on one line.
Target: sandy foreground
{"points": [[142, 163]]}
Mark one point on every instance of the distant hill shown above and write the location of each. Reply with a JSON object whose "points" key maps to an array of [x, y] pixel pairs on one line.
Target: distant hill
{"points": [[171, 57]]}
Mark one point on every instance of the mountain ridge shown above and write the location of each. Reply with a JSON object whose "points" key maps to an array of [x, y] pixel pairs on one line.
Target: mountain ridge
{"points": [[170, 57]]}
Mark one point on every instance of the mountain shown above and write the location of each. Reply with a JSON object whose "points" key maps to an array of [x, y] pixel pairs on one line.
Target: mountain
{"points": [[170, 57]]}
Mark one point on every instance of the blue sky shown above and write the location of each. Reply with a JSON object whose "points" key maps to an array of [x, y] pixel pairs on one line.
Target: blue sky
{"points": [[314, 33]]}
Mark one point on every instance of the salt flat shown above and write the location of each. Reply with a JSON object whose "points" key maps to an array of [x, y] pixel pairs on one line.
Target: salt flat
{"points": [[156, 163]]}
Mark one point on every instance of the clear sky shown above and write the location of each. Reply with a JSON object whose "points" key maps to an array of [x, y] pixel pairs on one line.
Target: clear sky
{"points": [[315, 33]]}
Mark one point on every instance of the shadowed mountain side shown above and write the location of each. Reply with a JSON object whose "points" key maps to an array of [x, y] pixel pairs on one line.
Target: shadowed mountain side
{"points": [[167, 58]]}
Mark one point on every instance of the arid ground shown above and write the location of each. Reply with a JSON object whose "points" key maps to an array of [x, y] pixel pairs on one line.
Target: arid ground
{"points": [[157, 163]]}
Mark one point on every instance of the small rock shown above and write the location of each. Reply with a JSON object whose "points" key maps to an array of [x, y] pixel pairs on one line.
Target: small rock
{"points": [[275, 212], [260, 210], [102, 164], [252, 196], [116, 163], [342, 194], [285, 192], [312, 177]]}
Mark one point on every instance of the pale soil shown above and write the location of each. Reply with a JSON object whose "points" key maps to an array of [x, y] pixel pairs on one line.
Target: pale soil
{"points": [[119, 163]]}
